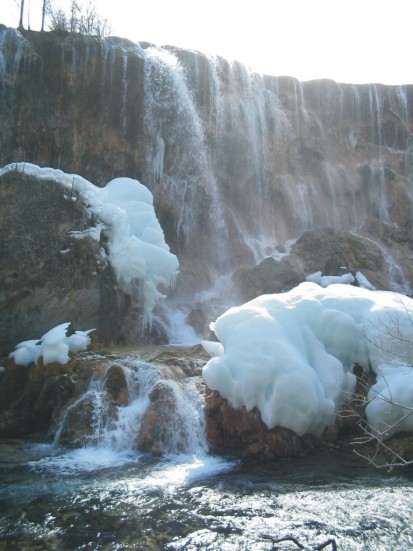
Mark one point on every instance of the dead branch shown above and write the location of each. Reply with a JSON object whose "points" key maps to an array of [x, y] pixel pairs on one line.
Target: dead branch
{"points": [[330, 541]]}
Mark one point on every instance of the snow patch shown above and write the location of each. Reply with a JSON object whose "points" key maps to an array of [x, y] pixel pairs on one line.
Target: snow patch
{"points": [[54, 346], [291, 354]]}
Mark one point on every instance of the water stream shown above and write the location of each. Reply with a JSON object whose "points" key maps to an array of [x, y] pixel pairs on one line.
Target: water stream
{"points": [[80, 500], [240, 163], [104, 494]]}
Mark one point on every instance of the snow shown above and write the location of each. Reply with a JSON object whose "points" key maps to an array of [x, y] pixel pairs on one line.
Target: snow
{"points": [[54, 346], [364, 282], [124, 213], [291, 355], [79, 341], [325, 280], [27, 352], [390, 408]]}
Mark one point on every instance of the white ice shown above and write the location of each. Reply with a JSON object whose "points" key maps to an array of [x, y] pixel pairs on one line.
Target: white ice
{"points": [[53, 346], [125, 214], [325, 280], [291, 354]]}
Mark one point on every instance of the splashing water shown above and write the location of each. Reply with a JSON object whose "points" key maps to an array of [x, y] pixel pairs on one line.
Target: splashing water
{"points": [[110, 433]]}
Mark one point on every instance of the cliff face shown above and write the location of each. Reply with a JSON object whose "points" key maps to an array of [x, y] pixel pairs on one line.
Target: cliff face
{"points": [[239, 164], [47, 275], [62, 100]]}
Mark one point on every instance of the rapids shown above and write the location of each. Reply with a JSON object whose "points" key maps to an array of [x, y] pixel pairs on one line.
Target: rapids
{"points": [[85, 499], [104, 494]]}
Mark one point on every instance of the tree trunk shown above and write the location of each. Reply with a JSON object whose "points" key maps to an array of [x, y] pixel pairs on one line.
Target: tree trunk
{"points": [[21, 14], [43, 14]]}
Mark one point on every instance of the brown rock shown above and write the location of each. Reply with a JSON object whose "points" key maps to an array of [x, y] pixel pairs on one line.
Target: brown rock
{"points": [[116, 385], [243, 434], [79, 424], [160, 431], [47, 276]]}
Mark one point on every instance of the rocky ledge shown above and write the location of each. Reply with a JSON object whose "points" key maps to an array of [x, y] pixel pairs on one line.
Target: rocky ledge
{"points": [[43, 402]]}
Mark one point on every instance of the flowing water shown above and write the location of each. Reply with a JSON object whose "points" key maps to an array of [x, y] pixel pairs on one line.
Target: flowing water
{"points": [[106, 495], [86, 499], [244, 163]]}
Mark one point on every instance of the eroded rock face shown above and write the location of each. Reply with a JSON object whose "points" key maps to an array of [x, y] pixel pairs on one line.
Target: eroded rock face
{"points": [[333, 253], [79, 425], [81, 402], [49, 277], [116, 385], [238, 164], [32, 398], [159, 423]]}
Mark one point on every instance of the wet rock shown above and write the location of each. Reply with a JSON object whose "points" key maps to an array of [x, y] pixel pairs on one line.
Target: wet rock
{"points": [[188, 360], [270, 276], [243, 434], [116, 385], [32, 398], [80, 423], [161, 430], [327, 250]]}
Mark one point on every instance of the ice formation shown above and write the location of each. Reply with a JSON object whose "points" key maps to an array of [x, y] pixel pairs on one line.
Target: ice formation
{"points": [[125, 214], [291, 354], [54, 346], [326, 280]]}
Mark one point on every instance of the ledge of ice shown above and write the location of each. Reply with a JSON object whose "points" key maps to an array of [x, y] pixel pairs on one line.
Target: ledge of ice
{"points": [[125, 214]]}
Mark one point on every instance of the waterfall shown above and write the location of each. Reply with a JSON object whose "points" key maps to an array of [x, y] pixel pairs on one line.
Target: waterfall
{"points": [[239, 164], [271, 155], [95, 419]]}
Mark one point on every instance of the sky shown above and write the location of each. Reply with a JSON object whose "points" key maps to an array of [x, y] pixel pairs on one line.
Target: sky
{"points": [[354, 41]]}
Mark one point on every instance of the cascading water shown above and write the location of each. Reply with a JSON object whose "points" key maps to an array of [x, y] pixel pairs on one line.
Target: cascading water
{"points": [[275, 167], [239, 163], [100, 424]]}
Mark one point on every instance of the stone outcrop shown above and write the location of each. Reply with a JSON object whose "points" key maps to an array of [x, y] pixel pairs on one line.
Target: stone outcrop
{"points": [[78, 401], [333, 253], [32, 398], [48, 276], [161, 422], [242, 433]]}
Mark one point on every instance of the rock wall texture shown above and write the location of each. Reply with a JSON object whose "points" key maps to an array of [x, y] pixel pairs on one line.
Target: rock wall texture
{"points": [[241, 165], [47, 276]]}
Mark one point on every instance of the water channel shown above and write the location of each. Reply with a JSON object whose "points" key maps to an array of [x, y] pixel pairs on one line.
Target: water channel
{"points": [[56, 499]]}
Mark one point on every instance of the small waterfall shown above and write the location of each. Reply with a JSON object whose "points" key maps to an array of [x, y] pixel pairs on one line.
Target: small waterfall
{"points": [[161, 411], [178, 157], [398, 280]]}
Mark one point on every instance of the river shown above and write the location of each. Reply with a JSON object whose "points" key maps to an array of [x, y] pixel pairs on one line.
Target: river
{"points": [[56, 499]]}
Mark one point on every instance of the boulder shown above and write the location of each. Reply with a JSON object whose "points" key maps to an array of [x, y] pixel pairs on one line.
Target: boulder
{"points": [[241, 433], [116, 385], [158, 433], [48, 276], [333, 253], [78, 428]]}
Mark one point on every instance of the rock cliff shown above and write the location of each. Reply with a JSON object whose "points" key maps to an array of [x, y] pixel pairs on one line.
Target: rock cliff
{"points": [[48, 276], [240, 164]]}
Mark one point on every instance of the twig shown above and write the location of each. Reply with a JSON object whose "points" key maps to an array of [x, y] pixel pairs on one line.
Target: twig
{"points": [[330, 541]]}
